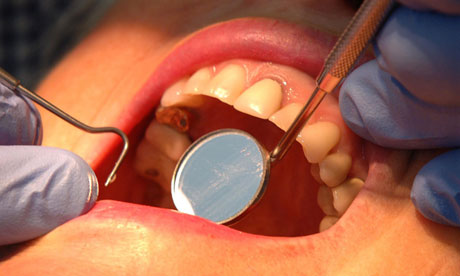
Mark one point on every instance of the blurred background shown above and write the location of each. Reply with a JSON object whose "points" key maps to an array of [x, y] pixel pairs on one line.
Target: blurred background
{"points": [[35, 34]]}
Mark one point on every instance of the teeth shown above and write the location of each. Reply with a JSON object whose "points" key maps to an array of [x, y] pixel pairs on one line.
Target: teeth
{"points": [[314, 170], [325, 201], [318, 139], [345, 193], [228, 84], [154, 165], [166, 140], [327, 222], [261, 99], [284, 117], [175, 96], [198, 82], [334, 169], [162, 146]]}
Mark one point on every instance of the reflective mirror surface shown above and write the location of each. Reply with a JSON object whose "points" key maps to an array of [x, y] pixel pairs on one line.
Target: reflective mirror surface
{"points": [[220, 176]]}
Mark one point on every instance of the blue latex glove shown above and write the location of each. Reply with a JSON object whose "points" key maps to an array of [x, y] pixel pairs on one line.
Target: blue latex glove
{"points": [[40, 187], [409, 97]]}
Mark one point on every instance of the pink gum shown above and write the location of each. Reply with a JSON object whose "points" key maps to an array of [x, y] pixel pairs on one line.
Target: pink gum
{"points": [[297, 88]]}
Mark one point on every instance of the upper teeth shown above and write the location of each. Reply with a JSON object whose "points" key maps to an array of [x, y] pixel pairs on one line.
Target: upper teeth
{"points": [[228, 84], [197, 83], [260, 100], [263, 99]]}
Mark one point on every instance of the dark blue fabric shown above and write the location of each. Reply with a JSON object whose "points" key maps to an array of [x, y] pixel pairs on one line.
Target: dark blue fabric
{"points": [[35, 34]]}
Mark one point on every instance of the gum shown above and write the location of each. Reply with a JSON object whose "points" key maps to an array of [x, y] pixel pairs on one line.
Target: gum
{"points": [[295, 83], [297, 87]]}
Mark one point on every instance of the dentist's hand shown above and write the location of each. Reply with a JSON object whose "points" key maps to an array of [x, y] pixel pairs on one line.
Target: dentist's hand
{"points": [[40, 187], [409, 98]]}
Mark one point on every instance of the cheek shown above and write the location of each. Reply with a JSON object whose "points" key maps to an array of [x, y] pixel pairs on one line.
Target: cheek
{"points": [[94, 81]]}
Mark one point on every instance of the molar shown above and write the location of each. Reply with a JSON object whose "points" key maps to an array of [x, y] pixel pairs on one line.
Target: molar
{"points": [[345, 193], [198, 82], [260, 100], [167, 140], [175, 96], [228, 84], [327, 222], [325, 201], [334, 169], [154, 165], [314, 171], [284, 117], [318, 139]]}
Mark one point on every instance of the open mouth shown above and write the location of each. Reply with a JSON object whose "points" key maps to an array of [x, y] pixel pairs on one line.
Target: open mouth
{"points": [[217, 78], [257, 84]]}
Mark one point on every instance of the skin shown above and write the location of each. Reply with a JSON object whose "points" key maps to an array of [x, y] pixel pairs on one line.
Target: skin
{"points": [[380, 234]]}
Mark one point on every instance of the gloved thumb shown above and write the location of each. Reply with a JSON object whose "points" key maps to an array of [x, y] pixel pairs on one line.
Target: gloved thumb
{"points": [[40, 189], [436, 190]]}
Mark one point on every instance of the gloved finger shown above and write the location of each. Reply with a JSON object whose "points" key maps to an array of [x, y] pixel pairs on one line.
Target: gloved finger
{"points": [[444, 6], [40, 189], [20, 122], [436, 190], [421, 50], [378, 108]]}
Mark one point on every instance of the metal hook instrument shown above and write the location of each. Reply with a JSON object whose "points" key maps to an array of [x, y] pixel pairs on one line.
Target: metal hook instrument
{"points": [[14, 84]]}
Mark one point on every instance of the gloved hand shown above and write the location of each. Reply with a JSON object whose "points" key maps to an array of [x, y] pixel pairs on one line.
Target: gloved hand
{"points": [[40, 187], [409, 98]]}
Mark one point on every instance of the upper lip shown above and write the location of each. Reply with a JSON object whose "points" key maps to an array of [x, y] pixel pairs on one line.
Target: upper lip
{"points": [[249, 38]]}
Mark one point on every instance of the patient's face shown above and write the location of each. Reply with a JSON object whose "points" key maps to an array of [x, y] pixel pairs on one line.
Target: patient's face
{"points": [[167, 72]]}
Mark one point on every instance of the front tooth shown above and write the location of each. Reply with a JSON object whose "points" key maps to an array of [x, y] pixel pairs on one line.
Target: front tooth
{"points": [[318, 139], [325, 200], [167, 140], [175, 96], [198, 82], [284, 117], [260, 100], [334, 169], [327, 222], [228, 84], [345, 193]]}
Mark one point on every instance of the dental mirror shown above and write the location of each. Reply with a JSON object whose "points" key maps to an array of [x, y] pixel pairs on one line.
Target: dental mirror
{"points": [[224, 173], [228, 169]]}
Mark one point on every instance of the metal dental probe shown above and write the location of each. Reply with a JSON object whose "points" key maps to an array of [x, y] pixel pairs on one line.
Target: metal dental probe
{"points": [[14, 84], [224, 173]]}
